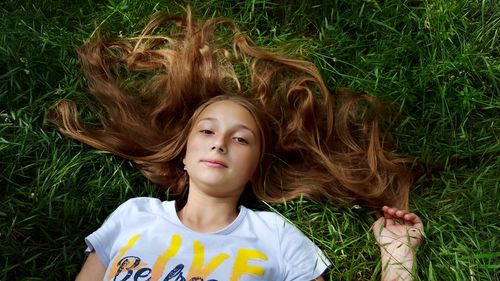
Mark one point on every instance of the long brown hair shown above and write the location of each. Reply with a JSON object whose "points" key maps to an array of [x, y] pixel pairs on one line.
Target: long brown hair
{"points": [[320, 145]]}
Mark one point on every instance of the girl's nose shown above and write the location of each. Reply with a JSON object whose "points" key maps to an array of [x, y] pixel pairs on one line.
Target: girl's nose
{"points": [[219, 148]]}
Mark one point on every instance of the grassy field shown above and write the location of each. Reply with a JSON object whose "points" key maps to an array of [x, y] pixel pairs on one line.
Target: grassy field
{"points": [[439, 60]]}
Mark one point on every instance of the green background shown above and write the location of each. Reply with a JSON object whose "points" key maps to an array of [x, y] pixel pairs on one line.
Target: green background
{"points": [[438, 61]]}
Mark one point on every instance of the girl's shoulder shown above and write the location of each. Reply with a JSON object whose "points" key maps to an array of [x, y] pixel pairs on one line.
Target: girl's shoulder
{"points": [[298, 254], [142, 203], [149, 205], [265, 215], [272, 221]]}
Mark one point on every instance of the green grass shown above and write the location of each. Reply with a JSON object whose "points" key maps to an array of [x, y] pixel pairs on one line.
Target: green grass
{"points": [[438, 60]]}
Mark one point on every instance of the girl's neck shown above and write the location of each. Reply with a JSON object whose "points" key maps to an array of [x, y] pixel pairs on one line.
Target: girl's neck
{"points": [[203, 213]]}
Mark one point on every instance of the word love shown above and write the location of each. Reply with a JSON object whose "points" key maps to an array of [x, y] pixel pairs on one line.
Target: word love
{"points": [[130, 267]]}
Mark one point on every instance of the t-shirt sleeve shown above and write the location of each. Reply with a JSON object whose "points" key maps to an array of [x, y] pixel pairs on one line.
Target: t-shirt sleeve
{"points": [[101, 240], [302, 259]]}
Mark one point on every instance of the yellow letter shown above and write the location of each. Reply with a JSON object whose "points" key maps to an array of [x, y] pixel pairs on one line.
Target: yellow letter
{"points": [[123, 250], [241, 263], [162, 260], [197, 269]]}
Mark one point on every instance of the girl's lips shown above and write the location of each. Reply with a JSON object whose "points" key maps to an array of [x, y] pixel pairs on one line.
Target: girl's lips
{"points": [[214, 163]]}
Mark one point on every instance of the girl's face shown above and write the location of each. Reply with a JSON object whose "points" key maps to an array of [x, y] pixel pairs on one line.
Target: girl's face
{"points": [[223, 149]]}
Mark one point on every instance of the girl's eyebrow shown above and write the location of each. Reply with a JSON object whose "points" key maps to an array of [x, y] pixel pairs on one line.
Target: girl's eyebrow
{"points": [[238, 126]]}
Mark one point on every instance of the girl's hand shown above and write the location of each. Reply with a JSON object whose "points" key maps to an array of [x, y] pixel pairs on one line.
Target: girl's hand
{"points": [[398, 228], [398, 233]]}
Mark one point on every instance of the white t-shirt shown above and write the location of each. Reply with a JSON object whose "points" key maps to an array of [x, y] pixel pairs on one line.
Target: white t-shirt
{"points": [[143, 239]]}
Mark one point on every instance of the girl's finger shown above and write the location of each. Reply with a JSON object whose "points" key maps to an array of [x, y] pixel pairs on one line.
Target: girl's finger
{"points": [[401, 213], [389, 210], [410, 217], [417, 223]]}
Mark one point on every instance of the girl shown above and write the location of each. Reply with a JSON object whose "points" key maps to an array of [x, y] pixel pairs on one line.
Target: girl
{"points": [[217, 141]]}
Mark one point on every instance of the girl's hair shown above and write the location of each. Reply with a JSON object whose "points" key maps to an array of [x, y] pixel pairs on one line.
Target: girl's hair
{"points": [[317, 145]]}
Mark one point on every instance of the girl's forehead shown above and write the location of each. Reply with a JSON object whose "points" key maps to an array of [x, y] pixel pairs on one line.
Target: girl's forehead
{"points": [[229, 112], [226, 109]]}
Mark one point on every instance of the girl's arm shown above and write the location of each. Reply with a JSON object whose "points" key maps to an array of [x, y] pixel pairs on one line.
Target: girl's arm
{"points": [[399, 233], [93, 269]]}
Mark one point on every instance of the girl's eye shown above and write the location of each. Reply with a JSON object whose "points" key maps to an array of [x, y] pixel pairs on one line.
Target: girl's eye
{"points": [[206, 132], [240, 140]]}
